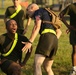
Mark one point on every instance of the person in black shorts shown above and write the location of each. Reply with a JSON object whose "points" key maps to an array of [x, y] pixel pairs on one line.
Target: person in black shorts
{"points": [[48, 41], [70, 10], [11, 50]]}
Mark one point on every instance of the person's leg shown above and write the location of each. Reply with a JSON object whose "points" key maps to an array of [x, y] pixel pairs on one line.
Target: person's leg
{"points": [[73, 43], [38, 61], [73, 60], [48, 66], [74, 55], [14, 69], [11, 68]]}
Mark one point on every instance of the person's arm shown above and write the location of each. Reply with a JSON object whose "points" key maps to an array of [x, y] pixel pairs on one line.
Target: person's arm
{"points": [[61, 15], [26, 26], [35, 31], [6, 15], [5, 19], [70, 27], [26, 58], [58, 33]]}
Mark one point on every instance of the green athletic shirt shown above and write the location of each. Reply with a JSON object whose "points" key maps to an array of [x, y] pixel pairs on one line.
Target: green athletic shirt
{"points": [[6, 43], [19, 18]]}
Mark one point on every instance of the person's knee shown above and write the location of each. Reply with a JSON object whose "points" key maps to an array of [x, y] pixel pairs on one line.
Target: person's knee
{"points": [[74, 50], [48, 65], [37, 65], [38, 61], [47, 68], [15, 69]]}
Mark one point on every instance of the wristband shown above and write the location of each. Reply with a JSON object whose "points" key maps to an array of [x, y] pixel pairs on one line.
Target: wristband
{"points": [[30, 42]]}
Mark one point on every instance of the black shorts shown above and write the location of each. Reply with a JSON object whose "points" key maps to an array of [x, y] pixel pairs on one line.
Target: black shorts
{"points": [[72, 38], [47, 46], [5, 65], [10, 67]]}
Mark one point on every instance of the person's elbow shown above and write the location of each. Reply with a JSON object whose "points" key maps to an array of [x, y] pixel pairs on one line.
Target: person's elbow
{"points": [[61, 15]]}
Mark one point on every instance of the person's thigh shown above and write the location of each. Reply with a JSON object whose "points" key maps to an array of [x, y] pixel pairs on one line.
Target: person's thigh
{"points": [[14, 69], [9, 67], [72, 37], [5, 65], [39, 59]]}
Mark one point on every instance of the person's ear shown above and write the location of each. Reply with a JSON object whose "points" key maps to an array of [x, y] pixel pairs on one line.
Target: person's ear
{"points": [[32, 8]]}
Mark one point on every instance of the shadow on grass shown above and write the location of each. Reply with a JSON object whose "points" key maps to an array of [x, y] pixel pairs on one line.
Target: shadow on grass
{"points": [[62, 71], [29, 71], [59, 70]]}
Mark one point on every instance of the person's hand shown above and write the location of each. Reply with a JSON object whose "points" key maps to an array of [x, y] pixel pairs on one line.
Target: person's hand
{"points": [[71, 28], [22, 64], [67, 31], [27, 46]]}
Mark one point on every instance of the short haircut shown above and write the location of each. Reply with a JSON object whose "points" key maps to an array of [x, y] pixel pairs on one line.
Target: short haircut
{"points": [[30, 6], [7, 22]]}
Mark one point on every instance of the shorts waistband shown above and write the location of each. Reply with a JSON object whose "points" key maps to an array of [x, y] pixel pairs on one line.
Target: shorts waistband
{"points": [[48, 30]]}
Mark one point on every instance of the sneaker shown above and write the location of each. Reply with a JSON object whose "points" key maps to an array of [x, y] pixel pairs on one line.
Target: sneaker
{"points": [[73, 73]]}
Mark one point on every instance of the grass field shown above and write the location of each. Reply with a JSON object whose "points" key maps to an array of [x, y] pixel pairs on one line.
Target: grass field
{"points": [[62, 64]]}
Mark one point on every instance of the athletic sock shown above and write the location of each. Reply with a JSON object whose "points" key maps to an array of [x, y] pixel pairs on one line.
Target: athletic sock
{"points": [[74, 68]]}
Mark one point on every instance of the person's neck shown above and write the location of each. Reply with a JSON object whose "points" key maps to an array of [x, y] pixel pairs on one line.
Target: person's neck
{"points": [[16, 7], [11, 36]]}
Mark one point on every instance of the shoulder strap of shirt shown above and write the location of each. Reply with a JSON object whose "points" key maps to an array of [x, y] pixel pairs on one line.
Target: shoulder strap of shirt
{"points": [[12, 47], [17, 11]]}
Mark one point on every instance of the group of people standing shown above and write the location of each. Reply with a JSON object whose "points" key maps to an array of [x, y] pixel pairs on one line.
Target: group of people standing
{"points": [[13, 43]]}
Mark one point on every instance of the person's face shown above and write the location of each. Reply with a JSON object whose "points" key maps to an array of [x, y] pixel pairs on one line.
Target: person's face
{"points": [[12, 27], [30, 12], [16, 2]]}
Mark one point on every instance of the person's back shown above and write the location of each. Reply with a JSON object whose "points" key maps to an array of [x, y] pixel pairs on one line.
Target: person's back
{"points": [[44, 17]]}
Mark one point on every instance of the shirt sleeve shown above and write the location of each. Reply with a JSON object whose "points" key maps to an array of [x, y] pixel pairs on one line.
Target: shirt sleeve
{"points": [[37, 14], [7, 14]]}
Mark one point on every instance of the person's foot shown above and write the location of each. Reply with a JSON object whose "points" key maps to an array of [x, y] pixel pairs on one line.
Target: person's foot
{"points": [[73, 72]]}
